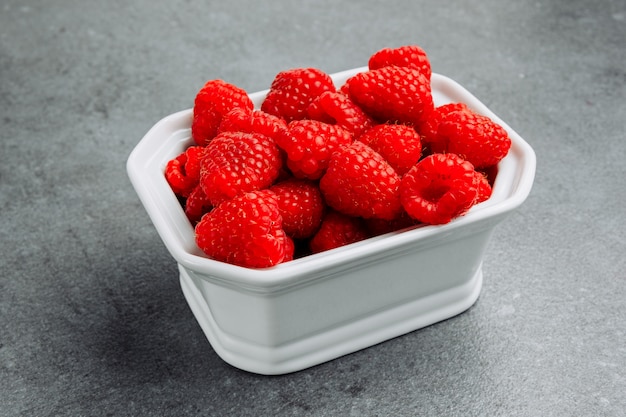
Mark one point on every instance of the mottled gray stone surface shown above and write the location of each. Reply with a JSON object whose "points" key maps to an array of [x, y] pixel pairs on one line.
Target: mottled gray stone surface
{"points": [[92, 319]]}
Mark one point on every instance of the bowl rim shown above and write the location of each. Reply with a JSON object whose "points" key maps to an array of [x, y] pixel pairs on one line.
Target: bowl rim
{"points": [[157, 197]]}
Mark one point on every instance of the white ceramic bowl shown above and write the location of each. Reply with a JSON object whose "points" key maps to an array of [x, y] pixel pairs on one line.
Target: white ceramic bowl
{"points": [[319, 307]]}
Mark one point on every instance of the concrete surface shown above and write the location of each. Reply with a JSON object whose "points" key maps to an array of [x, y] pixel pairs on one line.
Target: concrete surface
{"points": [[92, 319]]}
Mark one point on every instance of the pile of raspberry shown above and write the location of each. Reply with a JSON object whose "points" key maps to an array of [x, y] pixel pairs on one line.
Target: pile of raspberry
{"points": [[319, 166]]}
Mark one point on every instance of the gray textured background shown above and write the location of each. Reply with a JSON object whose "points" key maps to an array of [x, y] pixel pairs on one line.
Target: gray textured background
{"points": [[92, 319]]}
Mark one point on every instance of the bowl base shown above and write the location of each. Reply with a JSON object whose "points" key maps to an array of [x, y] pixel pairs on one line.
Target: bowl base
{"points": [[325, 346]]}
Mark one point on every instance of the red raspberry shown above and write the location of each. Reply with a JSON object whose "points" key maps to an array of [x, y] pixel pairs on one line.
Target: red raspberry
{"points": [[289, 249], [484, 188], [490, 173], [378, 227], [344, 89], [400, 145], [337, 108], [183, 172], [337, 230], [475, 137], [309, 145], [439, 188], [392, 94], [242, 119], [292, 91], [197, 204], [238, 162], [428, 128], [212, 102], [245, 231], [359, 182], [404, 56], [301, 206]]}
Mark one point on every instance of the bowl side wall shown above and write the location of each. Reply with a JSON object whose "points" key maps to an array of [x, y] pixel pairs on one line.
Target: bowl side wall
{"points": [[344, 296]]}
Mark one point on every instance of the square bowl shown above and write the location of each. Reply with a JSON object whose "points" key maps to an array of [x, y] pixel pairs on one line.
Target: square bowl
{"points": [[316, 308]]}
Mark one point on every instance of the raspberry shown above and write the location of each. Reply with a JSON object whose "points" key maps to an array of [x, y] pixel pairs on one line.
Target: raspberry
{"points": [[475, 137], [400, 145], [238, 162], [359, 182], [404, 56], [439, 188], [490, 173], [376, 227], [212, 102], [309, 145], [197, 204], [292, 91], [337, 108], [243, 119], [392, 94], [289, 249], [483, 188], [337, 230], [245, 231], [301, 206], [344, 89], [428, 128], [183, 171]]}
